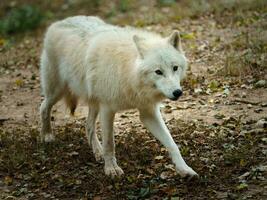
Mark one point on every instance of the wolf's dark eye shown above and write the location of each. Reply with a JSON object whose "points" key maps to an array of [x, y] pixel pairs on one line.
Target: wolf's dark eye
{"points": [[175, 68], [158, 72]]}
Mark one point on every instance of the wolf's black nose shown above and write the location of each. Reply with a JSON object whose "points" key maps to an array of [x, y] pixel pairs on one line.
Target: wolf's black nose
{"points": [[177, 93]]}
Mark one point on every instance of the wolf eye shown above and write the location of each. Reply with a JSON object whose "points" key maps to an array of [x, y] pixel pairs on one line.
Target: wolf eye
{"points": [[158, 72], [175, 68]]}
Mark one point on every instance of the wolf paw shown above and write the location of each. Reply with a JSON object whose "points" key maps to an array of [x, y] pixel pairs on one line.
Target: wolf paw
{"points": [[98, 151], [98, 154], [47, 138], [188, 173], [113, 170]]}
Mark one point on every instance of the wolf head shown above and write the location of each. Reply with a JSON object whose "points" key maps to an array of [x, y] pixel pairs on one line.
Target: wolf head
{"points": [[162, 65]]}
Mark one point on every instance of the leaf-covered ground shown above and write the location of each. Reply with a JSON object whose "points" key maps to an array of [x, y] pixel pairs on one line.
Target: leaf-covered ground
{"points": [[220, 123]]}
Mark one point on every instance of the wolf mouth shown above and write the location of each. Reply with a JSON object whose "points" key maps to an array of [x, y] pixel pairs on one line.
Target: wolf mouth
{"points": [[174, 98]]}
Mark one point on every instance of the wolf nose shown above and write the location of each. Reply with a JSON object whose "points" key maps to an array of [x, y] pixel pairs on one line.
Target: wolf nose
{"points": [[177, 93]]}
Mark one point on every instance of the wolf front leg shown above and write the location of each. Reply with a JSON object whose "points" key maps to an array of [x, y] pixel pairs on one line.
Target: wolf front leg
{"points": [[152, 119], [106, 121], [91, 133]]}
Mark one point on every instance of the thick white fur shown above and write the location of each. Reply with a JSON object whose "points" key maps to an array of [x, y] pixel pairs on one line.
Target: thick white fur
{"points": [[111, 68]]}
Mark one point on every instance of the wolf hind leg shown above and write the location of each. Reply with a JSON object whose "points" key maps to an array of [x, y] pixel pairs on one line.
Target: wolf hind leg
{"points": [[53, 89], [91, 133], [47, 134]]}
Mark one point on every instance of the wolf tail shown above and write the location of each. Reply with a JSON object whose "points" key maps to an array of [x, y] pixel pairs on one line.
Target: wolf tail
{"points": [[71, 102]]}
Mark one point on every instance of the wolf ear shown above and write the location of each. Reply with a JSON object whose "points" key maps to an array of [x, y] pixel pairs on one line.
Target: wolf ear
{"points": [[139, 43], [175, 40]]}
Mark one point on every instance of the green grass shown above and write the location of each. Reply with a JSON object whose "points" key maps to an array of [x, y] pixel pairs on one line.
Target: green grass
{"points": [[124, 5], [247, 54], [20, 19], [219, 7]]}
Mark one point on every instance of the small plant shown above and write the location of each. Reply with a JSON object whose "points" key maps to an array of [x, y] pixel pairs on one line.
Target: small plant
{"points": [[124, 5], [165, 2], [96, 3], [20, 19], [247, 54]]}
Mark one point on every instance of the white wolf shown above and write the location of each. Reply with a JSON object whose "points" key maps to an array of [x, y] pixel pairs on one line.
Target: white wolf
{"points": [[112, 68]]}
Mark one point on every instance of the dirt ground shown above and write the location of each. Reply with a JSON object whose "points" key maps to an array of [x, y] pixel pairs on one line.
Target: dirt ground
{"points": [[219, 123]]}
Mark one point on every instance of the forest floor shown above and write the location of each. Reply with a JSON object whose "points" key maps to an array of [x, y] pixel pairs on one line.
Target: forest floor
{"points": [[219, 123]]}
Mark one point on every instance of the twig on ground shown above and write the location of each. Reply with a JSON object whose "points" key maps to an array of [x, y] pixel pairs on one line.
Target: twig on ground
{"points": [[247, 102]]}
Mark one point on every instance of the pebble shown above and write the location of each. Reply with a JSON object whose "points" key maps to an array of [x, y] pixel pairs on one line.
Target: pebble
{"points": [[243, 176], [243, 95], [226, 91], [262, 123], [198, 91], [244, 86], [260, 84], [258, 110], [217, 101]]}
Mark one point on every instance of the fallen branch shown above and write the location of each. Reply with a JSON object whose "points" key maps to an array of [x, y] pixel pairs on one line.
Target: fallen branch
{"points": [[247, 102]]}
